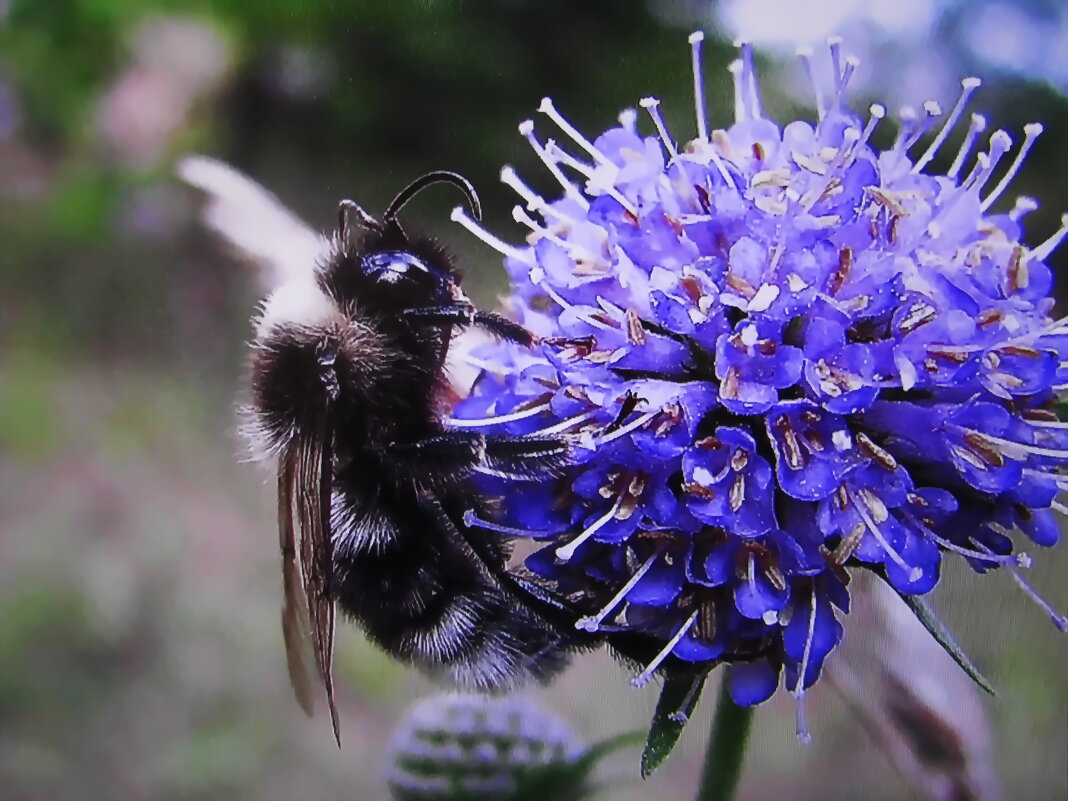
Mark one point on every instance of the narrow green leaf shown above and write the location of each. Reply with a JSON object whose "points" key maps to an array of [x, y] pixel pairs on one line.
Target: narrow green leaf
{"points": [[1060, 408], [930, 620], [678, 697]]}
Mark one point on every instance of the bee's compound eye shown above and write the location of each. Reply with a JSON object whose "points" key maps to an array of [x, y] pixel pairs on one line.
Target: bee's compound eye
{"points": [[393, 266]]}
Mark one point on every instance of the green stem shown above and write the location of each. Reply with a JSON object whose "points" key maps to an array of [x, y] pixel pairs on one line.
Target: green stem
{"points": [[726, 748]]}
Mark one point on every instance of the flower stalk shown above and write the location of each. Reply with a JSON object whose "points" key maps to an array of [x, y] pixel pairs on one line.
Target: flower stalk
{"points": [[727, 744]]}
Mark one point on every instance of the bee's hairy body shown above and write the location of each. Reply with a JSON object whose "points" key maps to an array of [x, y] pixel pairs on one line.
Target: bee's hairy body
{"points": [[348, 393]]}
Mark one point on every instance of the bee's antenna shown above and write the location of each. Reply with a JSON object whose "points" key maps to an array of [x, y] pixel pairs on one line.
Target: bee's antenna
{"points": [[435, 177], [346, 208]]}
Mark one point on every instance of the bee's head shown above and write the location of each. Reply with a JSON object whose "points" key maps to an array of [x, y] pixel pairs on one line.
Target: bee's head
{"points": [[404, 271]]}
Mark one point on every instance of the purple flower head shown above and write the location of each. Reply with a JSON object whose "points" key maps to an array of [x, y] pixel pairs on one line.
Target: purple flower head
{"points": [[779, 354]]}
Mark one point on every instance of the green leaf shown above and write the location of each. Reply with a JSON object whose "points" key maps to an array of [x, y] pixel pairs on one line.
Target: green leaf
{"points": [[1060, 408], [678, 697], [930, 620]]}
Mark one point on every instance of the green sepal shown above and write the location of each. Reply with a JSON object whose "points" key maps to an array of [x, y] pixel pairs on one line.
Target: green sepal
{"points": [[678, 698], [930, 620]]}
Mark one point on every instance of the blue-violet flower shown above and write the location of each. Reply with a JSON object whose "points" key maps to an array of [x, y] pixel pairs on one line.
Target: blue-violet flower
{"points": [[779, 353]]}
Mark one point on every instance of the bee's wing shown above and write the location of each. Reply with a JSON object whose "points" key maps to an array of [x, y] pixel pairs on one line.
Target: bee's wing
{"points": [[304, 491], [295, 625], [254, 222]]}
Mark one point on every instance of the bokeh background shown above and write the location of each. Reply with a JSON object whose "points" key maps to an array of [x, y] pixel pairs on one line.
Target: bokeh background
{"points": [[140, 656]]}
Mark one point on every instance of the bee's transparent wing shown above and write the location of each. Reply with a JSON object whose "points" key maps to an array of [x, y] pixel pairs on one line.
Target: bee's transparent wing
{"points": [[308, 611], [254, 222]]}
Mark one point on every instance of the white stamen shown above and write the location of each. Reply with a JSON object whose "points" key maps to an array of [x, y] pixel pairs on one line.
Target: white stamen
{"points": [[982, 163], [1024, 205], [537, 277], [565, 552], [1020, 559], [1046, 248], [931, 112], [549, 110], [643, 678], [1000, 142], [1048, 424], [628, 119], [851, 64], [526, 128], [914, 573], [799, 688], [740, 106], [460, 215], [877, 112], [593, 180], [1021, 449], [698, 84], [563, 425], [650, 105], [1031, 133], [975, 127], [749, 79], [834, 44], [805, 54], [906, 115], [472, 520], [1059, 620], [593, 623], [535, 202], [624, 430], [478, 422], [968, 87]]}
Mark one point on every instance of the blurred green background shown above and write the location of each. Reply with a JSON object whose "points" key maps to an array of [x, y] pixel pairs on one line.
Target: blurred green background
{"points": [[139, 648]]}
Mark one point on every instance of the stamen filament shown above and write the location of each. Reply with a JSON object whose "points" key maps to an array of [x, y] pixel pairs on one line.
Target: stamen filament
{"points": [[1024, 205], [975, 127], [968, 87], [623, 431], [1000, 142], [565, 552], [472, 422], [472, 520], [914, 573], [593, 623], [1046, 248], [563, 425], [650, 105], [698, 85], [1031, 133], [526, 128], [799, 688], [509, 251], [643, 678], [805, 54], [1019, 447], [549, 110], [740, 105], [749, 79], [534, 201], [931, 112]]}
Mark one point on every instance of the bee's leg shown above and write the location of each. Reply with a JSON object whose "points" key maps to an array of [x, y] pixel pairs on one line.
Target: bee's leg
{"points": [[441, 461], [451, 456], [525, 457], [465, 314]]}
